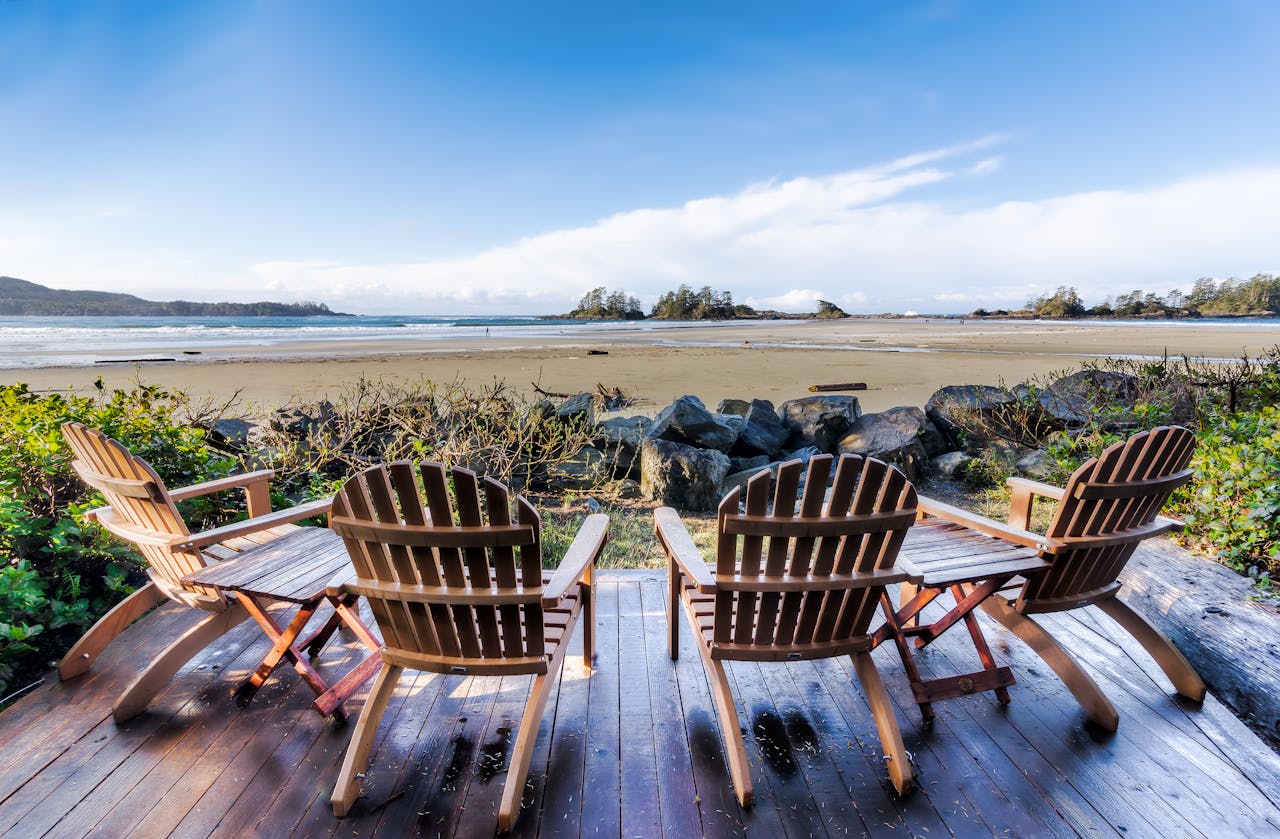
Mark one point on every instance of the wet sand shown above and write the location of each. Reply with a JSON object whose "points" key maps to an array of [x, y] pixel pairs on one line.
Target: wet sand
{"points": [[901, 361]]}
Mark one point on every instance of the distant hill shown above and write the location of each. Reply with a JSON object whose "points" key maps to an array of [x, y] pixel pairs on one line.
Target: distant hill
{"points": [[19, 297]]}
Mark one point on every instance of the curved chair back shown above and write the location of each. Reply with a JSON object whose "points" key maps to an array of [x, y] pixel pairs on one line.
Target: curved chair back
{"points": [[453, 588], [1109, 505], [802, 578], [141, 511]]}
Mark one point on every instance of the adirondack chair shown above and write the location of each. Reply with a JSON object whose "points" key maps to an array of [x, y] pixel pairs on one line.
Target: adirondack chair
{"points": [[810, 593], [142, 511], [467, 598], [1109, 505]]}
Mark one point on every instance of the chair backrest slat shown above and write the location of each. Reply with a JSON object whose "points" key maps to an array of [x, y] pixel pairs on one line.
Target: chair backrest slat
{"points": [[1115, 495], [745, 613], [802, 551], [856, 532], [467, 544], [504, 565], [784, 506]]}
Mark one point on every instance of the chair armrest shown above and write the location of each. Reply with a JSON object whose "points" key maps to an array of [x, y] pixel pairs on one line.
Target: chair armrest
{"points": [[1036, 488], [256, 485], [246, 480], [220, 484], [1004, 532], [581, 556], [255, 525], [1021, 492], [1177, 525], [678, 545]]}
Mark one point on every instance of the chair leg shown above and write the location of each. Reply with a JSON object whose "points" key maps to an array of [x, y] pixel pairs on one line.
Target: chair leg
{"points": [[589, 621], [731, 728], [1174, 664], [1086, 691], [897, 762], [522, 753], [673, 609], [151, 681], [347, 789], [81, 656]]}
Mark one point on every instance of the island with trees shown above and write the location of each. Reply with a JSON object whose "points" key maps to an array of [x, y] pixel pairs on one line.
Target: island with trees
{"points": [[20, 297], [682, 304]]}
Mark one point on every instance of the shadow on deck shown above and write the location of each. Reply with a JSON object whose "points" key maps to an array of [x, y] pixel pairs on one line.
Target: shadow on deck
{"points": [[632, 749]]}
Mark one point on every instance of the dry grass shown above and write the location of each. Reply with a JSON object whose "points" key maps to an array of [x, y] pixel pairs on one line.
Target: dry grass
{"points": [[631, 540]]}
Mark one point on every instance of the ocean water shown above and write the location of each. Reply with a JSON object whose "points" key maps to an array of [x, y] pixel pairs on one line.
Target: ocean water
{"points": [[83, 341], [77, 341]]}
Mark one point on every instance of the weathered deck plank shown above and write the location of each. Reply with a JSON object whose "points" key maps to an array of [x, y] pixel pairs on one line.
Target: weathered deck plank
{"points": [[631, 748]]}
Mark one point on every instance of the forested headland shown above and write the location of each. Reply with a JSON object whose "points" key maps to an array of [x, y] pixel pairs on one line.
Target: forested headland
{"points": [[20, 297], [1258, 296]]}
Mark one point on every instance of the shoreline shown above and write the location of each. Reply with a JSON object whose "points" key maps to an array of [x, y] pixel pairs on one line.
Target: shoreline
{"points": [[903, 361]]}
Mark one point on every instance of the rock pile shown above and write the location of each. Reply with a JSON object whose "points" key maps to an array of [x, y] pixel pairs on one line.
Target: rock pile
{"points": [[688, 456]]}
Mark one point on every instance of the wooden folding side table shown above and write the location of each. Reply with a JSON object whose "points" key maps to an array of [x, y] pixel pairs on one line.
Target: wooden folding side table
{"points": [[300, 568], [941, 557]]}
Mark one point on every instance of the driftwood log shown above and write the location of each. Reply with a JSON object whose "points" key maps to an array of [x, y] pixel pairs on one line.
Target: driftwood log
{"points": [[1204, 609], [838, 386]]}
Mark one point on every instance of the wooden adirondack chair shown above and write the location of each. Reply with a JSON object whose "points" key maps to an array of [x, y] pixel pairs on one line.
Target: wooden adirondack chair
{"points": [[141, 510], [1109, 505], [468, 597], [810, 593]]}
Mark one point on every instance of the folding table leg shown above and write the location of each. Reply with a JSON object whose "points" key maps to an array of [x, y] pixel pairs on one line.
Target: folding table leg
{"points": [[282, 647], [984, 650], [345, 611]]}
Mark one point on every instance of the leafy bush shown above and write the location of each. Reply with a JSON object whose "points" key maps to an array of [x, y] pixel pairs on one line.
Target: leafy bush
{"points": [[1233, 508], [57, 575], [1232, 505]]}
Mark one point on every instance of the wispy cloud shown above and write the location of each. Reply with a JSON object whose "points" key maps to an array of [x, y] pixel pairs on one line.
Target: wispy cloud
{"points": [[865, 239]]}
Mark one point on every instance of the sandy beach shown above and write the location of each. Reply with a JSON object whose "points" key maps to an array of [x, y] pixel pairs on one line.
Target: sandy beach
{"points": [[901, 361]]}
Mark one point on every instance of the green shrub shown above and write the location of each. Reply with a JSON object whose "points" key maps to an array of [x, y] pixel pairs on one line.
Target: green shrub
{"points": [[57, 575], [1232, 505], [1232, 509]]}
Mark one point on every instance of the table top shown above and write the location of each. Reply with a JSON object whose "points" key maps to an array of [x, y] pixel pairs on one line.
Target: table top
{"points": [[939, 553], [297, 567]]}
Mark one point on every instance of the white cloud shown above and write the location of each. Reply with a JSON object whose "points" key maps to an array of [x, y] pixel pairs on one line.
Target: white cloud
{"points": [[864, 239]]}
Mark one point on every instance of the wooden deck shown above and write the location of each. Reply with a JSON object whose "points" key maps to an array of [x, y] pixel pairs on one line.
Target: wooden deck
{"points": [[632, 749]]}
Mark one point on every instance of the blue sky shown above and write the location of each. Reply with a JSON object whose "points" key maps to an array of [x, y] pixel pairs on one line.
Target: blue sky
{"points": [[450, 158]]}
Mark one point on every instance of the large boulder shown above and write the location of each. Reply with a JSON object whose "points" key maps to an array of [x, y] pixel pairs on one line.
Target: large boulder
{"points": [[619, 438], [762, 431], [894, 436], [231, 434], [947, 465], [738, 480], [1089, 394], [681, 476], [301, 421], [585, 470], [580, 409], [733, 422], [971, 416], [1038, 465], [743, 464], [733, 406], [819, 421], [688, 421]]}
